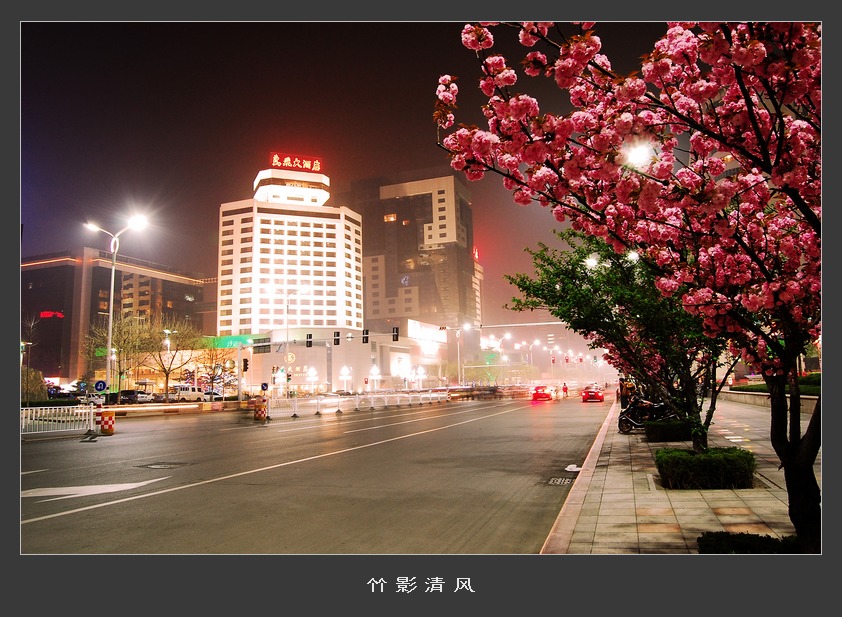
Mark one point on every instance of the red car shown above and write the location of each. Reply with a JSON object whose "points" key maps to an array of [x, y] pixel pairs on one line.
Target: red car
{"points": [[593, 392], [542, 393]]}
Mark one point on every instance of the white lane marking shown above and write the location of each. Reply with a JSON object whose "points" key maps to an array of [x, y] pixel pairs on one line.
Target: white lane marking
{"points": [[246, 473], [66, 492], [372, 428]]}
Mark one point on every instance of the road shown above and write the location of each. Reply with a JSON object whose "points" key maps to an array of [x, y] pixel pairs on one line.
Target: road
{"points": [[467, 477]]}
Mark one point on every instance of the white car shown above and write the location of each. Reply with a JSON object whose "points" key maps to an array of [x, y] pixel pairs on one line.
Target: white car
{"points": [[92, 398], [145, 397], [212, 395]]}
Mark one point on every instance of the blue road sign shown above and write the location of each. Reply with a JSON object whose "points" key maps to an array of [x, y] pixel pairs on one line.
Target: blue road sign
{"points": [[99, 386]]}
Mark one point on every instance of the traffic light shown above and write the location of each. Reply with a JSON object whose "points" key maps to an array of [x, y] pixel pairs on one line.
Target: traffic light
{"points": [[336, 338], [245, 364], [289, 377], [567, 359], [309, 340], [553, 359], [395, 333], [365, 336], [274, 369]]}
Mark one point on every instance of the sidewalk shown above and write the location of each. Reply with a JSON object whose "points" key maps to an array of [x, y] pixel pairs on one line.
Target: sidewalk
{"points": [[616, 505]]}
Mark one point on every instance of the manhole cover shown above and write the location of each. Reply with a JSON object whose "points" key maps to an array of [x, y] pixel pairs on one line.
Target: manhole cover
{"points": [[163, 465], [560, 480]]}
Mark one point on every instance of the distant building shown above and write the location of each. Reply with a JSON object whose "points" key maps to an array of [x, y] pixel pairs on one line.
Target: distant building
{"points": [[66, 292], [420, 263]]}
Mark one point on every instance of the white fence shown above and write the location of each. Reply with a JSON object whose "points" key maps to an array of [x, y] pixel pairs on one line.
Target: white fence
{"points": [[35, 420], [359, 402]]}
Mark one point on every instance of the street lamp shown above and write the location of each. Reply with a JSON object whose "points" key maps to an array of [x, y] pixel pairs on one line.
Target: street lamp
{"points": [[287, 293], [26, 347], [345, 375], [136, 222], [167, 339], [374, 373], [525, 344]]}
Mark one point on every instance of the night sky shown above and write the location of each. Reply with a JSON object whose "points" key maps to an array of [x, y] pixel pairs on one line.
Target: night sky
{"points": [[174, 118]]}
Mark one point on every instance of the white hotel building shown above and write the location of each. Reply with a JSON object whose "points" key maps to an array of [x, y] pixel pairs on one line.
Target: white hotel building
{"points": [[286, 261], [290, 269]]}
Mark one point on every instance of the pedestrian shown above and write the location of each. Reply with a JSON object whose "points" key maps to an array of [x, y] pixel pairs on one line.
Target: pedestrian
{"points": [[627, 388], [564, 390], [621, 392]]}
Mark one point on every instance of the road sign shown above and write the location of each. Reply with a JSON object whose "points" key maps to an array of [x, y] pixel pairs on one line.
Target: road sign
{"points": [[100, 385], [264, 386]]}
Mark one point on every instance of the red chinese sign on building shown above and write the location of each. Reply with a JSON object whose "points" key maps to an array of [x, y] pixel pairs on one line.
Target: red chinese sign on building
{"points": [[295, 161]]}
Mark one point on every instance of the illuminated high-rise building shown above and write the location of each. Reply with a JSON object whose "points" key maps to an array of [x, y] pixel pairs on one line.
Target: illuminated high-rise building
{"points": [[419, 258], [288, 262]]}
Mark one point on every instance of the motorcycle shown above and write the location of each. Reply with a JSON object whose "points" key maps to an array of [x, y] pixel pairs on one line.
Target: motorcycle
{"points": [[638, 411]]}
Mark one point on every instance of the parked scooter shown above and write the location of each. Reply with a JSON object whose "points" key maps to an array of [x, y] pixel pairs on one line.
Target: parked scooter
{"points": [[639, 410]]}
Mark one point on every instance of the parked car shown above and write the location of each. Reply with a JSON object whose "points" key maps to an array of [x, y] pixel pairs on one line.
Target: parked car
{"points": [[145, 397], [213, 395], [593, 392], [91, 398], [542, 393], [128, 396], [185, 392], [56, 393]]}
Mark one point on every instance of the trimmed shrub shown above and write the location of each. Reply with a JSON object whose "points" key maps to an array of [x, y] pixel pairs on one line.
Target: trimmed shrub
{"points": [[716, 468], [810, 384], [811, 379], [727, 543]]}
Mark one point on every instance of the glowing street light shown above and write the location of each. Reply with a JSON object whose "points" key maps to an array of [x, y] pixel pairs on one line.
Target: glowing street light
{"points": [[345, 375], [167, 335], [374, 374], [136, 222]]}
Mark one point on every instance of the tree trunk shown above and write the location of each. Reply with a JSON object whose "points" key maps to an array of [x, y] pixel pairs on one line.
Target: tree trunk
{"points": [[804, 505], [797, 454], [699, 435]]}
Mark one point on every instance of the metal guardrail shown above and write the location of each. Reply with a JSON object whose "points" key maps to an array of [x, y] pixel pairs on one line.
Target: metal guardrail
{"points": [[35, 420], [381, 400]]}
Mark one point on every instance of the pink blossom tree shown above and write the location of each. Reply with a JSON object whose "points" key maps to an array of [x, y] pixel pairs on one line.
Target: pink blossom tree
{"points": [[707, 163]]}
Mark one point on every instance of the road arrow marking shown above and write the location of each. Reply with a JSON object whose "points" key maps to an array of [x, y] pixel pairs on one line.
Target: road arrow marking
{"points": [[65, 492]]}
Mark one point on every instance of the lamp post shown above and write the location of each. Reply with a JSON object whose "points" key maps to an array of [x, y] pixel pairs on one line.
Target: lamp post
{"points": [[345, 375], [287, 293], [374, 373], [136, 222], [458, 357], [167, 345], [26, 348], [531, 367], [167, 339]]}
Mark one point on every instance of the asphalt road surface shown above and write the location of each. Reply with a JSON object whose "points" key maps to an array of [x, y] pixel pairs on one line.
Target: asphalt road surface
{"points": [[468, 477]]}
